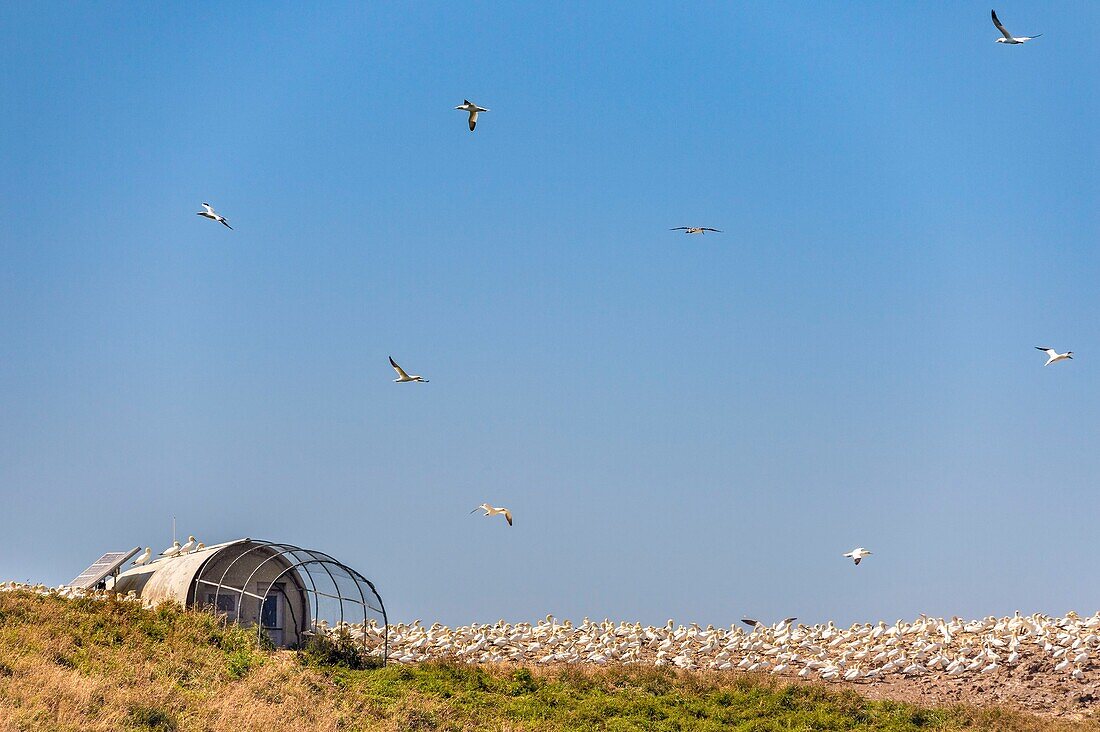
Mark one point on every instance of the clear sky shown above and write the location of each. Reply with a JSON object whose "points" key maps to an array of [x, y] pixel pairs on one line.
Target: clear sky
{"points": [[685, 427]]}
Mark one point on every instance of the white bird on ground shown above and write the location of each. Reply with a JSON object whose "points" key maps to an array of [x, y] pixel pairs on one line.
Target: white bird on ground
{"points": [[210, 213], [172, 550], [494, 510], [473, 109], [1008, 37], [402, 377], [144, 557], [858, 554], [695, 229], [1053, 356], [188, 546]]}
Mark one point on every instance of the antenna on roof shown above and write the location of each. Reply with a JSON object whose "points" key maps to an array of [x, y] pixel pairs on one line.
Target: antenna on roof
{"points": [[173, 529]]}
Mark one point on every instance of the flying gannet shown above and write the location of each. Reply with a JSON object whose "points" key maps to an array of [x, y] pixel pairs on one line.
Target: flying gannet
{"points": [[473, 109], [1053, 356], [858, 554], [757, 624], [494, 510], [210, 213], [144, 557], [402, 377], [1008, 37], [695, 229]]}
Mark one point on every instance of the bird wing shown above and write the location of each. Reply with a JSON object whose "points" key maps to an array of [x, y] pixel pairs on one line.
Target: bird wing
{"points": [[400, 371], [1000, 27], [707, 228], [1048, 351], [467, 102], [473, 120], [508, 516], [858, 559], [788, 621], [750, 622], [208, 207], [679, 228], [222, 219]]}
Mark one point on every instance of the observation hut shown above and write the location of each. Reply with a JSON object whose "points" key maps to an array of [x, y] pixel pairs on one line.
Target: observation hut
{"points": [[281, 589]]}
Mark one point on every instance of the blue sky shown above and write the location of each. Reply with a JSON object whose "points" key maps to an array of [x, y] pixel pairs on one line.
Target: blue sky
{"points": [[685, 427]]}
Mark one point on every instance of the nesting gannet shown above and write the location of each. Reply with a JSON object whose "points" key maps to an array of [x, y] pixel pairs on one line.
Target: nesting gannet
{"points": [[1008, 37], [473, 109], [858, 554], [494, 510], [210, 213], [172, 550], [402, 377], [200, 547], [695, 229], [188, 546], [144, 557], [1053, 356]]}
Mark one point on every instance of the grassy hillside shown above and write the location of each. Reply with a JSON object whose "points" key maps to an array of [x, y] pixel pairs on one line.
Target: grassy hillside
{"points": [[95, 665]]}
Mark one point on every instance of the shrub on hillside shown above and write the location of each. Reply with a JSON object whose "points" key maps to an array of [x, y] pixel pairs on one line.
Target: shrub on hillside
{"points": [[336, 650]]}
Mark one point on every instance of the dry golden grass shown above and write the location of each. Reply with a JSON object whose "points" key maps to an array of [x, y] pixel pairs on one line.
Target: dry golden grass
{"points": [[92, 665]]}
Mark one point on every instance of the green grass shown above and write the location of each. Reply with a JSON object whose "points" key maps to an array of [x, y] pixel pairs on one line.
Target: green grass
{"points": [[89, 665]]}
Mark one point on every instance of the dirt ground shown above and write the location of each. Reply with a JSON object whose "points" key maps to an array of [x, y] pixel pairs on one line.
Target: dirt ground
{"points": [[1032, 686]]}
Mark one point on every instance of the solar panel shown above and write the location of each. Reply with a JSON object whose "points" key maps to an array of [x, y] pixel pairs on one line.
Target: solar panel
{"points": [[102, 567]]}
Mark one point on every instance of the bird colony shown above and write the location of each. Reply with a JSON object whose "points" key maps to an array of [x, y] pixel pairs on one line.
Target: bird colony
{"points": [[1067, 645]]}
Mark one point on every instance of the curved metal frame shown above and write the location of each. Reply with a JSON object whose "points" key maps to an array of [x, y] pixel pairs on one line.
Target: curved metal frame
{"points": [[293, 556]]}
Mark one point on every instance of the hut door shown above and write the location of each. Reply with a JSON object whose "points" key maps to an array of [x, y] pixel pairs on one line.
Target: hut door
{"points": [[271, 614]]}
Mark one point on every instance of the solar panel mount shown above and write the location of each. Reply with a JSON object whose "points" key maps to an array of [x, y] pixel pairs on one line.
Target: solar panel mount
{"points": [[102, 567]]}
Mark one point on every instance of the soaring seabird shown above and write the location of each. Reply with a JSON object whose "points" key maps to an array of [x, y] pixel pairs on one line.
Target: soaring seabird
{"points": [[402, 377], [210, 213], [473, 109], [695, 229], [1053, 356], [1008, 37]]}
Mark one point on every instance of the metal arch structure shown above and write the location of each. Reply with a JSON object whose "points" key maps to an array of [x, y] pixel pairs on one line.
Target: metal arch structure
{"points": [[310, 565]]}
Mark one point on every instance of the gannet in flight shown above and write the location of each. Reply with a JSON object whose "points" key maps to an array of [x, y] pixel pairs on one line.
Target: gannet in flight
{"points": [[172, 550], [858, 554], [210, 213], [1008, 37], [144, 557], [473, 109], [188, 546], [1053, 356], [493, 511], [402, 377], [757, 624], [695, 229]]}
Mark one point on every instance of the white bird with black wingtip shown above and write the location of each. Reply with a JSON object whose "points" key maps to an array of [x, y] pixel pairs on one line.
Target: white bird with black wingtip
{"points": [[1053, 356], [495, 510], [858, 554], [473, 109], [209, 212], [1008, 37], [695, 229], [403, 377]]}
